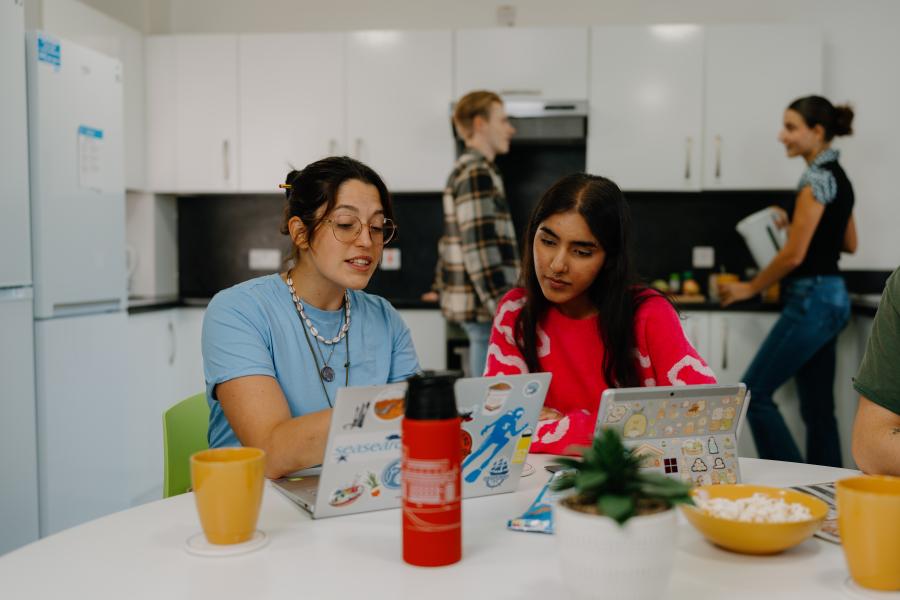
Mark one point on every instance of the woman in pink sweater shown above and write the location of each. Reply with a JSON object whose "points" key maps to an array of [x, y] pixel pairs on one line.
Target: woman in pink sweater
{"points": [[581, 315]]}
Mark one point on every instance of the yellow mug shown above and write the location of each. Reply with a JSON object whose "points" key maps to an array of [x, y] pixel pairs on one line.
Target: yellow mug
{"points": [[228, 488], [869, 521]]}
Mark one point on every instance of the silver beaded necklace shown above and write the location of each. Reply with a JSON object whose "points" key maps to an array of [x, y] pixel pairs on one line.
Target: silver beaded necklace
{"points": [[326, 373], [312, 329]]}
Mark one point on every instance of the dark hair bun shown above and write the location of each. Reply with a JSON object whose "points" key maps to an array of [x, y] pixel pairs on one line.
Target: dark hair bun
{"points": [[843, 119]]}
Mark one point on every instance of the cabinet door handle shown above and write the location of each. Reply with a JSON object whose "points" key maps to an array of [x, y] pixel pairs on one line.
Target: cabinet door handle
{"points": [[688, 146], [724, 344], [172, 343], [226, 152], [357, 149], [332, 147], [521, 92], [718, 141]]}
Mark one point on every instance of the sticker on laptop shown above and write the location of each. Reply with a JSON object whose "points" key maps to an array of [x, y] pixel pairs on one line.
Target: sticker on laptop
{"points": [[346, 495], [531, 388], [498, 473], [390, 477], [373, 484], [496, 398], [390, 404], [496, 437], [365, 447], [359, 416]]}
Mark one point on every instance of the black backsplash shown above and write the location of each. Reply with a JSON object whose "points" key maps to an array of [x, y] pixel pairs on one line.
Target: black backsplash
{"points": [[420, 220], [216, 233], [667, 226]]}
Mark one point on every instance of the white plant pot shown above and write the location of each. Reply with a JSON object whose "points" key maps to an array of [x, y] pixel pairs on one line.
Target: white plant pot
{"points": [[600, 559]]}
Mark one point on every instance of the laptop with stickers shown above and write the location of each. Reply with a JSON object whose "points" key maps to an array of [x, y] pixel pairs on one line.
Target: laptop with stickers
{"points": [[361, 468], [687, 432]]}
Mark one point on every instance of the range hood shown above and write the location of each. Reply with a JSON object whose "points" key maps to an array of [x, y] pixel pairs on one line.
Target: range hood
{"points": [[547, 121]]}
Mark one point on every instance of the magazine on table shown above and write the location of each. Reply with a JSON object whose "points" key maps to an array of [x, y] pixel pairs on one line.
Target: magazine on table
{"points": [[824, 492]]}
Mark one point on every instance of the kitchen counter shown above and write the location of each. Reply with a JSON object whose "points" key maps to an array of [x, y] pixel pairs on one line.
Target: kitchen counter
{"points": [[862, 304], [142, 304]]}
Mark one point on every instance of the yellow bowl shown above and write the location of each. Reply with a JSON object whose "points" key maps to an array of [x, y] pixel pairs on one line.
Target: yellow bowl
{"points": [[755, 538]]}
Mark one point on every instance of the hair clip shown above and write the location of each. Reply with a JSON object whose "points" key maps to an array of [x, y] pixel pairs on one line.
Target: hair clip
{"points": [[285, 186]]}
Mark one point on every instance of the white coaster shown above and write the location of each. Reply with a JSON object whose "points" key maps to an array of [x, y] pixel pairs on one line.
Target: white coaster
{"points": [[854, 590], [199, 546], [527, 470]]}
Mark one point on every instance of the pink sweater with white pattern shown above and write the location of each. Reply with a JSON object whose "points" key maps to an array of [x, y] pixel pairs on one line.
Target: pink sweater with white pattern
{"points": [[571, 349]]}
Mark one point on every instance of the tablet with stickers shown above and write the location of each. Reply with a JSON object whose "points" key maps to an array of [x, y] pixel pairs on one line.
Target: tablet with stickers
{"points": [[688, 432]]}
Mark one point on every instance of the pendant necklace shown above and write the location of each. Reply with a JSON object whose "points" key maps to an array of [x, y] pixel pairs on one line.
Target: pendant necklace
{"points": [[326, 373]]}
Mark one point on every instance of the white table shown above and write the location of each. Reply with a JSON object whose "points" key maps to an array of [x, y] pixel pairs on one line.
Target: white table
{"points": [[139, 553]]}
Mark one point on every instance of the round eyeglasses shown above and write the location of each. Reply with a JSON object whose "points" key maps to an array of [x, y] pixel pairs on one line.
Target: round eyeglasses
{"points": [[346, 229]]}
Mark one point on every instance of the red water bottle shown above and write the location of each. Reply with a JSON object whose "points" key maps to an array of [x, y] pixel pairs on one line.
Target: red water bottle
{"points": [[432, 512]]}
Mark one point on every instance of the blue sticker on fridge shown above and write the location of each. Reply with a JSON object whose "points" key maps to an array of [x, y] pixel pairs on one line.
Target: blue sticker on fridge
{"points": [[49, 51]]}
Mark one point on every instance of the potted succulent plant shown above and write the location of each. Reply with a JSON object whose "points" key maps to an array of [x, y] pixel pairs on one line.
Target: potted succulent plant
{"points": [[616, 531]]}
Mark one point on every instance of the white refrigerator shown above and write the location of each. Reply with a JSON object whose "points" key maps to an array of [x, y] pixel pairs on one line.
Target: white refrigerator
{"points": [[18, 449], [77, 181]]}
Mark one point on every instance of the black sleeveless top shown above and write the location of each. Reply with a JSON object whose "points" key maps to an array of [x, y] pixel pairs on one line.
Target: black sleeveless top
{"points": [[831, 187]]}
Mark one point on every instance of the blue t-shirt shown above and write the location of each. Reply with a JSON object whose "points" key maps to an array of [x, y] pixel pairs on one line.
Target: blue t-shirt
{"points": [[254, 328]]}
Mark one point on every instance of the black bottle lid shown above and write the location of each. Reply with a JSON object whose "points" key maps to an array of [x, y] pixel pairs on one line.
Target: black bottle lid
{"points": [[430, 397]]}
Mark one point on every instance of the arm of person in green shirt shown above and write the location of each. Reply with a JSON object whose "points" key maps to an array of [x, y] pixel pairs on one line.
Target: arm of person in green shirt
{"points": [[876, 430], [876, 439]]}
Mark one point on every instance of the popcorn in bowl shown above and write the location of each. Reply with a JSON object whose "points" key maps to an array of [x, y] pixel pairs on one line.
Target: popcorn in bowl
{"points": [[754, 519], [758, 508]]}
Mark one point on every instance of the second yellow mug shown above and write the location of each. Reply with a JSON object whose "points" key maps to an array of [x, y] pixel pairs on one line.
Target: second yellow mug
{"points": [[869, 521], [228, 487]]}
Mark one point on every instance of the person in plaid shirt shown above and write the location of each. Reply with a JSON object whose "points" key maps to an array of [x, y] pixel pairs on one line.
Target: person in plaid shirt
{"points": [[478, 256]]}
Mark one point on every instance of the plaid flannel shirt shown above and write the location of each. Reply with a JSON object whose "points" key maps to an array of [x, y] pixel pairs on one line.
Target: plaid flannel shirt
{"points": [[478, 256]]}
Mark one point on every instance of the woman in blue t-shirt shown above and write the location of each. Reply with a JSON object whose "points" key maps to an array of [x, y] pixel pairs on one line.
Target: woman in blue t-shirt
{"points": [[277, 348], [816, 306]]}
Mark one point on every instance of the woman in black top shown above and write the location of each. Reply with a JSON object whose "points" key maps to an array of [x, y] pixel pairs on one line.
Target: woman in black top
{"points": [[816, 306]]}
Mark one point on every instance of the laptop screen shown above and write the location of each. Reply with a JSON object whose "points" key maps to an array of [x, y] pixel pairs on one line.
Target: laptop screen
{"points": [[361, 466], [685, 432]]}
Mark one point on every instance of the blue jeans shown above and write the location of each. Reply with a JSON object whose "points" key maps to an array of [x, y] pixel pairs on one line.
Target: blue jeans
{"points": [[479, 335], [801, 345]]}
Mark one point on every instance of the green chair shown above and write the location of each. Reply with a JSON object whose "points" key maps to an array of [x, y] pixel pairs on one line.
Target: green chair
{"points": [[184, 432]]}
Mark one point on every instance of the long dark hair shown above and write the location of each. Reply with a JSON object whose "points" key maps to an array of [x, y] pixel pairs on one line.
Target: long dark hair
{"points": [[318, 183], [816, 110], [615, 291]]}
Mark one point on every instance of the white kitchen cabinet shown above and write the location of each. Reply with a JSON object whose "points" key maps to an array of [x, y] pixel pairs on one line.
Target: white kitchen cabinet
{"points": [[164, 367], [188, 356], [735, 337], [549, 62], [646, 99], [729, 340], [292, 104], [151, 385], [696, 328], [428, 330], [398, 106], [192, 107], [752, 73]]}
